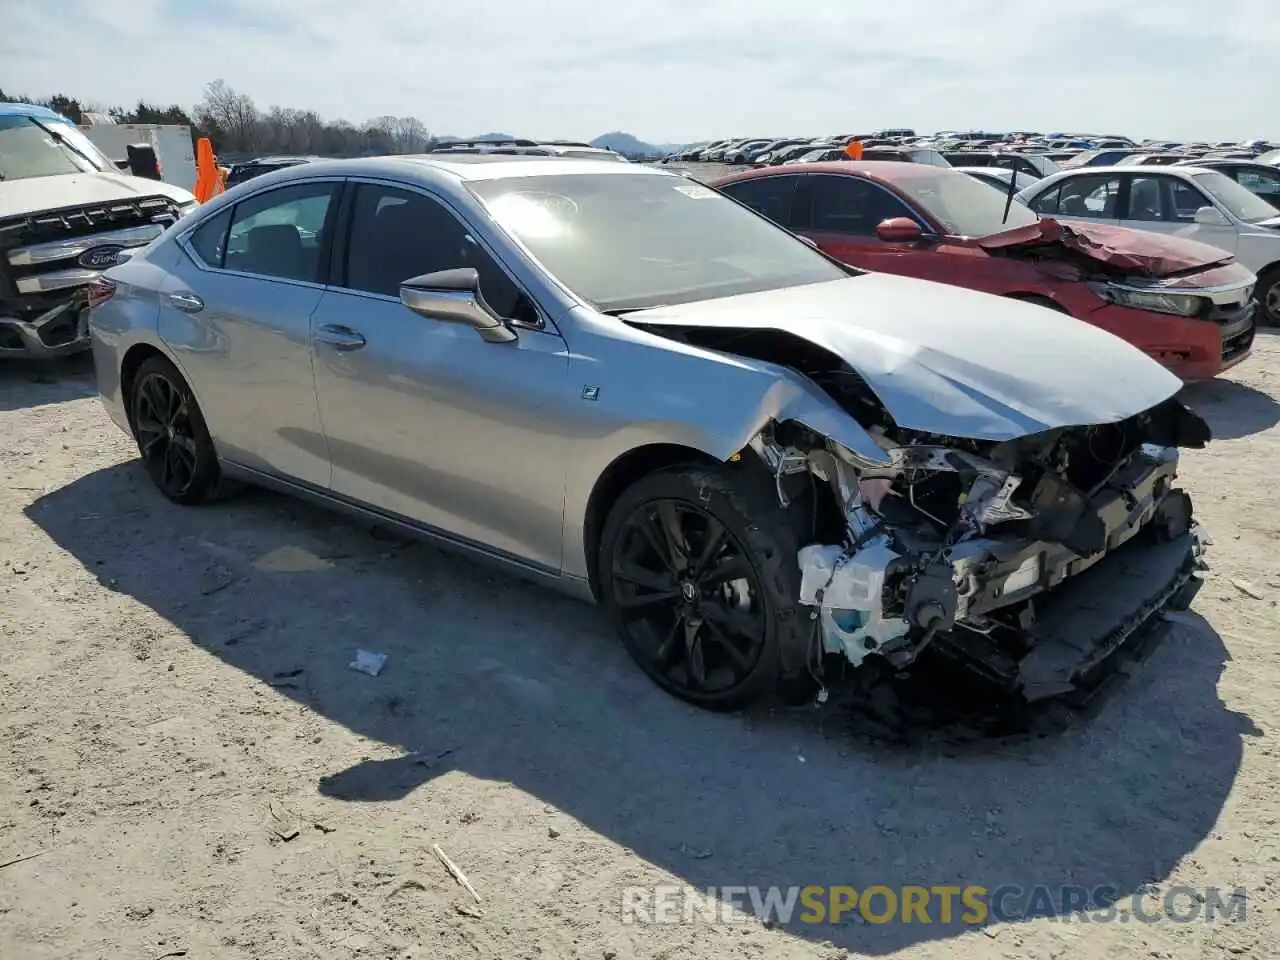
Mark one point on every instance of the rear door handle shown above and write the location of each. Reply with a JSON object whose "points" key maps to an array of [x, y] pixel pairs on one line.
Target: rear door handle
{"points": [[186, 302], [340, 337]]}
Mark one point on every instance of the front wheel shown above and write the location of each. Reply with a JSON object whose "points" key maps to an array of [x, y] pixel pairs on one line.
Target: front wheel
{"points": [[170, 431], [698, 570], [1267, 295]]}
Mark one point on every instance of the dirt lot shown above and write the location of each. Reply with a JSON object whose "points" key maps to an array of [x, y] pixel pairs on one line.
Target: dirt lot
{"points": [[192, 769]]}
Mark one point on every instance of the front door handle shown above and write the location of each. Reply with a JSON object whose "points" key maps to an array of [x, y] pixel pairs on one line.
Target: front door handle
{"points": [[186, 302], [340, 337]]}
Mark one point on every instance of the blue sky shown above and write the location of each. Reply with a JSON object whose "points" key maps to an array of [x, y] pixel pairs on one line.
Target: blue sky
{"points": [[674, 70]]}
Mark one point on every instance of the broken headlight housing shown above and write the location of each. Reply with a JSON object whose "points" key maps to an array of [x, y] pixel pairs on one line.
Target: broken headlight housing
{"points": [[1156, 301]]}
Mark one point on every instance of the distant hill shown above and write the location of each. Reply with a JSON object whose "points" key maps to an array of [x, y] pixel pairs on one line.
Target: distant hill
{"points": [[632, 146]]}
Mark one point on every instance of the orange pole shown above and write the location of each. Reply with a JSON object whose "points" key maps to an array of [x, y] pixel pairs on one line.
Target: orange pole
{"points": [[209, 179]]}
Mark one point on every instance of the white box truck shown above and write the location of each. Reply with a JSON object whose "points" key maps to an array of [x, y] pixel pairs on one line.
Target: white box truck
{"points": [[172, 144]]}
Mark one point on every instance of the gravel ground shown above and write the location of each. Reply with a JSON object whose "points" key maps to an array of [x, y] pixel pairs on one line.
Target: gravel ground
{"points": [[192, 769]]}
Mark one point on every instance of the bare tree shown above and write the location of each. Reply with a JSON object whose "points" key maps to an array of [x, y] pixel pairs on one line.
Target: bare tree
{"points": [[237, 126]]}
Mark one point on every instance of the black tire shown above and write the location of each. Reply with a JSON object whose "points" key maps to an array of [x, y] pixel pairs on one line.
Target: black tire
{"points": [[747, 636], [1267, 295], [172, 438]]}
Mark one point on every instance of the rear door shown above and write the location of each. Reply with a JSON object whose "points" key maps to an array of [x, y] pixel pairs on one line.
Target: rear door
{"points": [[236, 311], [1167, 204]]}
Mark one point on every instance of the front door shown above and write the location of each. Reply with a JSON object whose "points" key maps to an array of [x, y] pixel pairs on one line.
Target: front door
{"points": [[1167, 204], [425, 420], [840, 213]]}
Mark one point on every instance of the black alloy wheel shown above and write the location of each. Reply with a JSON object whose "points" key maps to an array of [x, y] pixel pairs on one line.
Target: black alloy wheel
{"points": [[689, 597], [697, 568], [1267, 294], [172, 438]]}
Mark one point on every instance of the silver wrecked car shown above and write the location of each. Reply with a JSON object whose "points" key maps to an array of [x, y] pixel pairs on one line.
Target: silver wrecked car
{"points": [[626, 384]]}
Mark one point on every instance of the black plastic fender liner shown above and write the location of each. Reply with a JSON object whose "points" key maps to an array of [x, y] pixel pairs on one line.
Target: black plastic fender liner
{"points": [[1091, 616]]}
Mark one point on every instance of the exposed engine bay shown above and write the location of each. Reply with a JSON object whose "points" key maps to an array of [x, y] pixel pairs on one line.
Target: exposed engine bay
{"points": [[981, 545]]}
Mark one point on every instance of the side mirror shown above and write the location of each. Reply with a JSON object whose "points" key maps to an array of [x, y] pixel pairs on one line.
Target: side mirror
{"points": [[453, 296], [1210, 217], [899, 230], [142, 161]]}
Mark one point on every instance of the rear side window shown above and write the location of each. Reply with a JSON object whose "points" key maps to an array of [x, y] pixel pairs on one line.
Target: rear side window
{"points": [[398, 234], [209, 241], [768, 196], [280, 233]]}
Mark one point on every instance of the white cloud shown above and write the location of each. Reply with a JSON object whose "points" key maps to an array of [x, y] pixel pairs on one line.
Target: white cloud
{"points": [[671, 70]]}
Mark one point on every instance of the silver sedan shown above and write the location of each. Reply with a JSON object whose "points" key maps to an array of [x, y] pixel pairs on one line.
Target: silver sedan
{"points": [[624, 383]]}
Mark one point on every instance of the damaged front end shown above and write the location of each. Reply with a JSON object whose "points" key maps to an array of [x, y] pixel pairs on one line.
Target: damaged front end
{"points": [[1030, 560]]}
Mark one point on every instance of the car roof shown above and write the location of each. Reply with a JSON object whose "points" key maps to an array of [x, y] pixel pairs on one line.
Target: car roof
{"points": [[278, 160], [1222, 162], [31, 110], [465, 167], [888, 170]]}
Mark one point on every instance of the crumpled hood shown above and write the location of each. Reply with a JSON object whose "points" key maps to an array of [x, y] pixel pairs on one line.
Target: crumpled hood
{"points": [[1138, 251], [37, 194], [947, 360]]}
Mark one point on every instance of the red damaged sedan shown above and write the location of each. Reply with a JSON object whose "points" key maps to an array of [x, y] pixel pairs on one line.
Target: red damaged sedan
{"points": [[1184, 303]]}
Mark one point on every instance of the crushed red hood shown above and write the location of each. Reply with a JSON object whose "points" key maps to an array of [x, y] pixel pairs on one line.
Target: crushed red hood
{"points": [[1133, 251]]}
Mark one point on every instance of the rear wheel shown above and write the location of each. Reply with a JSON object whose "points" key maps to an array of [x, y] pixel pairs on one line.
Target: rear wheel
{"points": [[698, 571], [1267, 295], [172, 438]]}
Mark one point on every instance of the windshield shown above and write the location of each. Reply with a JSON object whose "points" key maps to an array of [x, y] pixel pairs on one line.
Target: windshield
{"points": [[965, 207], [1243, 203], [30, 149], [627, 241]]}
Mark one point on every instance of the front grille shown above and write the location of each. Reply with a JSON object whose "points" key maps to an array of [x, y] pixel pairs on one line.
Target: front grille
{"points": [[1228, 314], [41, 263], [1239, 339]]}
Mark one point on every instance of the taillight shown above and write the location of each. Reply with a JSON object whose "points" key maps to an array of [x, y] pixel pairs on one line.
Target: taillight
{"points": [[100, 291]]}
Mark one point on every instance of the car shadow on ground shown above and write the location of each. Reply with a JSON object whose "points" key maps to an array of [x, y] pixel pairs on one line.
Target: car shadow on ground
{"points": [[36, 383], [512, 683], [1233, 409]]}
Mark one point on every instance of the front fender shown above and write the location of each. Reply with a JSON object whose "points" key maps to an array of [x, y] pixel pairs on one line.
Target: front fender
{"points": [[652, 390]]}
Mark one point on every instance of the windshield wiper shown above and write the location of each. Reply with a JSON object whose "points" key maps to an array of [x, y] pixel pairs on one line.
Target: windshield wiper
{"points": [[1008, 200], [62, 141]]}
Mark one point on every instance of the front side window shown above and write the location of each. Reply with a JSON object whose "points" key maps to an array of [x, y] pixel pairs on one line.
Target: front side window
{"points": [[852, 206], [624, 241], [768, 196], [397, 235], [35, 147], [280, 233]]}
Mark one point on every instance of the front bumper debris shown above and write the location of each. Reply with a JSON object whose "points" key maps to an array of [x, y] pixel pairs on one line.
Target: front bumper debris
{"points": [[58, 332], [1039, 610]]}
